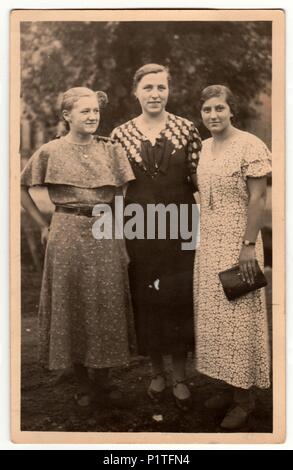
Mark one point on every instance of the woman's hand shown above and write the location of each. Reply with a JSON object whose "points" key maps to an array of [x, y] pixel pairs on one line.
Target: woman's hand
{"points": [[256, 204], [29, 205], [45, 235], [247, 262]]}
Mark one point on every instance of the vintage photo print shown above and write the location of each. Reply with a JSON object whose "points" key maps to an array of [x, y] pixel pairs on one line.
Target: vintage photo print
{"points": [[147, 226]]}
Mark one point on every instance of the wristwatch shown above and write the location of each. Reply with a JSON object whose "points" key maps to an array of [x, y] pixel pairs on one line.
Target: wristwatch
{"points": [[248, 243]]}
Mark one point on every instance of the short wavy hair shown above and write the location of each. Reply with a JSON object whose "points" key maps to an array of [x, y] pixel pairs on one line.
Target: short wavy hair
{"points": [[71, 96], [213, 91], [147, 69]]}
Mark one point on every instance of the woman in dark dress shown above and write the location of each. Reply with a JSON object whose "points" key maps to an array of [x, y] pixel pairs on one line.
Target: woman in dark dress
{"points": [[163, 150]]}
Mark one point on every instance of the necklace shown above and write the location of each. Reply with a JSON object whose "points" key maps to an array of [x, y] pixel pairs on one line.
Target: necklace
{"points": [[85, 155], [81, 146]]}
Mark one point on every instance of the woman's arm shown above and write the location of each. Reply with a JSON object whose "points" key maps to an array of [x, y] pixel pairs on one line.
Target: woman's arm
{"points": [[29, 205], [193, 177], [256, 205], [124, 189], [119, 222]]}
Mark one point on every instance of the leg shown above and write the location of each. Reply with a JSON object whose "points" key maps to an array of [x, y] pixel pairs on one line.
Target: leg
{"points": [[238, 414], [83, 396], [222, 400], [180, 389], [158, 380], [81, 374], [243, 396], [105, 392], [100, 378], [179, 363]]}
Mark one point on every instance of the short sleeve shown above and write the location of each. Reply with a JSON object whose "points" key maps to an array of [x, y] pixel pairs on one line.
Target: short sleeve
{"points": [[34, 172], [256, 161], [121, 167], [193, 149], [114, 135]]}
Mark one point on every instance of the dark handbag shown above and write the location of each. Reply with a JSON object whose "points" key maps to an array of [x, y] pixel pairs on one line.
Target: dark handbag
{"points": [[235, 287]]}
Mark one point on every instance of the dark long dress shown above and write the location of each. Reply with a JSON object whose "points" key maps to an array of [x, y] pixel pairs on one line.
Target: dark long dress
{"points": [[161, 272]]}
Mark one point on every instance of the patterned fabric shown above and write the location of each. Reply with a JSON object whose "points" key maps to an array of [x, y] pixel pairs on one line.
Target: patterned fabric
{"points": [[85, 313], [179, 131], [74, 196], [231, 337], [99, 163]]}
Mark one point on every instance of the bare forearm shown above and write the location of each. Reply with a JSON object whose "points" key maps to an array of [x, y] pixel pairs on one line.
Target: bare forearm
{"points": [[256, 205], [194, 180], [29, 205], [254, 218], [121, 190]]}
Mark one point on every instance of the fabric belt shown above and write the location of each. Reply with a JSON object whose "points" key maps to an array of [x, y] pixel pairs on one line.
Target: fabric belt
{"points": [[85, 211]]}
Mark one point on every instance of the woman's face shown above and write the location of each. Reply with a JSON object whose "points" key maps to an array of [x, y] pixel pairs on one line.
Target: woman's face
{"points": [[84, 117], [152, 92], [216, 114]]}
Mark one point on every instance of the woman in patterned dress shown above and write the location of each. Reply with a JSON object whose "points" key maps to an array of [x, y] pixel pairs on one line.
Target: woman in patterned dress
{"points": [[84, 311], [163, 150], [231, 336]]}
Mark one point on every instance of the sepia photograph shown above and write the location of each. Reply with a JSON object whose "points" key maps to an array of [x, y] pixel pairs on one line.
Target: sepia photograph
{"points": [[147, 226]]}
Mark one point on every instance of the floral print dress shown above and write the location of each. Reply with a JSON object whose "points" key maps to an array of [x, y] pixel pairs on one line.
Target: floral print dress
{"points": [[85, 313], [231, 336]]}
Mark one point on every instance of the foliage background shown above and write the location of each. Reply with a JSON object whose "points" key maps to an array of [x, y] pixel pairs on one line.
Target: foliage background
{"points": [[104, 55]]}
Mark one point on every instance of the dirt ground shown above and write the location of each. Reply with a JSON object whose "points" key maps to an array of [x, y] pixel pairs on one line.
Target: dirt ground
{"points": [[47, 399]]}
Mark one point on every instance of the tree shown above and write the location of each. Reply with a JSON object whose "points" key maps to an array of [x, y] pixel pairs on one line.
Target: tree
{"points": [[104, 55]]}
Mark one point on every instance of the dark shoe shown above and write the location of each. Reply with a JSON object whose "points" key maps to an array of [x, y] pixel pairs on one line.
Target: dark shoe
{"points": [[156, 395], [219, 401], [83, 399], [182, 403], [114, 398], [237, 416]]}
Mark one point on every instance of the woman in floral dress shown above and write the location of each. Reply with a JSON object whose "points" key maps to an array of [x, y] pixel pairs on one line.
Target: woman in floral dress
{"points": [[163, 150], [84, 312], [231, 336]]}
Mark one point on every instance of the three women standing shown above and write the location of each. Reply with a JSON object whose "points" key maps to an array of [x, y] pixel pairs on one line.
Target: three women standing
{"points": [[163, 150], [85, 313]]}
